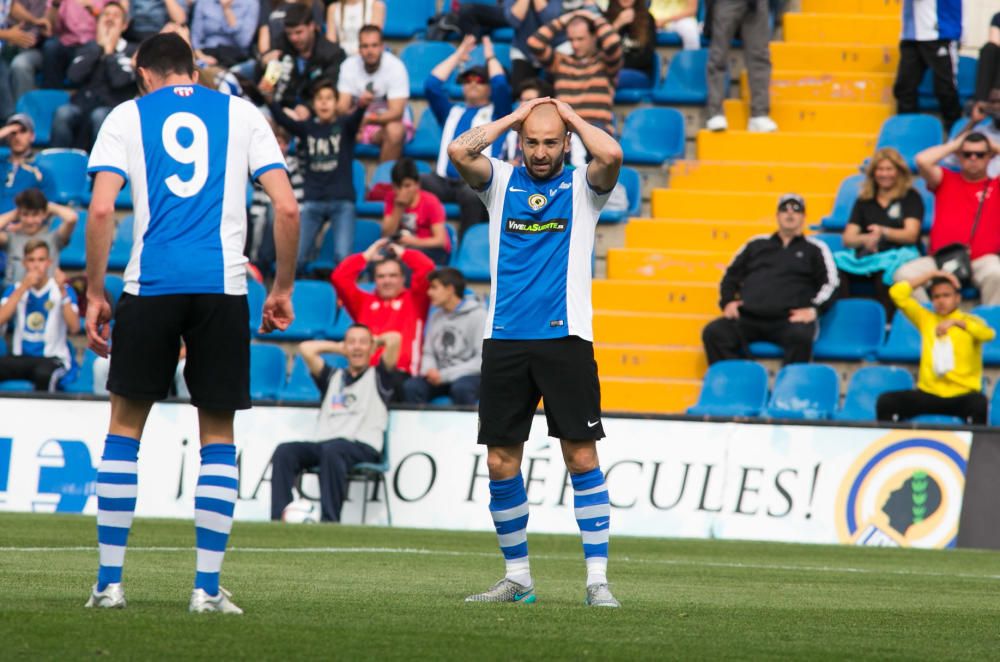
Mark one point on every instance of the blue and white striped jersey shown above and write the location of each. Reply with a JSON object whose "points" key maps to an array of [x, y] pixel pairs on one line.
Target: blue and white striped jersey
{"points": [[541, 243], [187, 151], [930, 20], [39, 325]]}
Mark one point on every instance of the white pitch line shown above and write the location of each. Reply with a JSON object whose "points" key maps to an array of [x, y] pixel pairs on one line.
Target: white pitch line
{"points": [[545, 557]]}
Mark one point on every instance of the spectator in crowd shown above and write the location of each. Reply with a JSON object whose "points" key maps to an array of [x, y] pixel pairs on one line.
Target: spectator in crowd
{"points": [[988, 65], [222, 30], [149, 17], [680, 16], [453, 343], [585, 79], [750, 20], [44, 310], [486, 97], [392, 306], [104, 76], [526, 17], [29, 220], [414, 218], [306, 58], [326, 146], [352, 419], [388, 122], [637, 30], [271, 31], [984, 117], [966, 212], [345, 18], [74, 24], [261, 215], [19, 170], [531, 88], [884, 227], [931, 31], [774, 290], [950, 379], [26, 29], [479, 19]]}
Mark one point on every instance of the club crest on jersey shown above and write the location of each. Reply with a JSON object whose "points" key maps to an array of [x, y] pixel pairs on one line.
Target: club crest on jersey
{"points": [[35, 321], [184, 91], [536, 201]]}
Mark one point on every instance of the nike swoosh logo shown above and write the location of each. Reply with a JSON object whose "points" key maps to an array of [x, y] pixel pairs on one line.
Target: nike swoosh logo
{"points": [[519, 596], [600, 523], [516, 190], [590, 425]]}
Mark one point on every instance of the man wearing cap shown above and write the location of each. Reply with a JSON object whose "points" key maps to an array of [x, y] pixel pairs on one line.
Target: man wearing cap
{"points": [[487, 97], [774, 290], [19, 171]]}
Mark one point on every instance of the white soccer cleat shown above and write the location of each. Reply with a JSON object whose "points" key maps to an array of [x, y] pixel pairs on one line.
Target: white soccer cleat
{"points": [[717, 123], [599, 595], [202, 602], [761, 124], [112, 597]]}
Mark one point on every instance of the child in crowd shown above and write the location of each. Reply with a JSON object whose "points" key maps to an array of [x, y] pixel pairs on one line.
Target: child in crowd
{"points": [[30, 219]]}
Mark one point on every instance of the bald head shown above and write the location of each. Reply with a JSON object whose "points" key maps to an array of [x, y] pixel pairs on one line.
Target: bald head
{"points": [[544, 141], [544, 119]]}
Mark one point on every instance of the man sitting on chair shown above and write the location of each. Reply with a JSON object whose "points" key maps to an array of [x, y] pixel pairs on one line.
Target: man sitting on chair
{"points": [[353, 417]]}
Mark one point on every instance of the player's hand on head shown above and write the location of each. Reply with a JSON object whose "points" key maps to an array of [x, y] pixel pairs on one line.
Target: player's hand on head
{"points": [[97, 325]]}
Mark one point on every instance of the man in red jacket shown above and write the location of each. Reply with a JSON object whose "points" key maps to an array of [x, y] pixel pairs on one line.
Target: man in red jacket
{"points": [[393, 306]]}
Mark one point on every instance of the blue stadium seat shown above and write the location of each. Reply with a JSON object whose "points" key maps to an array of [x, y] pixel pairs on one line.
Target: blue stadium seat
{"points": [[420, 57], [121, 247], [114, 286], [866, 385], [937, 419], [995, 406], [762, 349], [921, 187], [653, 136], [844, 203], [341, 321], [991, 350], [315, 304], [427, 138], [453, 238], [74, 255], [84, 382], [629, 178], [300, 386], [732, 388], [256, 294], [851, 330], [966, 84], [473, 258], [804, 390], [41, 105], [685, 82], [366, 233], [833, 241], [358, 178], [66, 180], [3, 345], [267, 371], [910, 134], [16, 386], [903, 342], [636, 86], [405, 18], [335, 360]]}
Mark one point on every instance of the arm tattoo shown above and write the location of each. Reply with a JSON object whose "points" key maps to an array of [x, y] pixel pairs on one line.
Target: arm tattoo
{"points": [[473, 140]]}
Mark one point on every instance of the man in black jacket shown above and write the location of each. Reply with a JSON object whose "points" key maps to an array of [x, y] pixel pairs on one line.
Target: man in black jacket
{"points": [[102, 72], [774, 290]]}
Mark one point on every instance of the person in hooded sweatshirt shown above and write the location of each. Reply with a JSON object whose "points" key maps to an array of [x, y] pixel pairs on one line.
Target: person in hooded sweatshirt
{"points": [[453, 343]]}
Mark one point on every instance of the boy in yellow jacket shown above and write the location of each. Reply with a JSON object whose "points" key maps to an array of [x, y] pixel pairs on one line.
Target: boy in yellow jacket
{"points": [[951, 354]]}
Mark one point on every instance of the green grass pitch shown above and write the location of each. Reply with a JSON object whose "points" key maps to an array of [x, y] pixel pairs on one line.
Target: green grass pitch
{"points": [[346, 592]]}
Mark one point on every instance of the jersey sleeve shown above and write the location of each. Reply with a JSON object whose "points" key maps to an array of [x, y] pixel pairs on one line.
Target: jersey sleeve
{"points": [[265, 153], [7, 291], [493, 191], [110, 151], [594, 199], [72, 300]]}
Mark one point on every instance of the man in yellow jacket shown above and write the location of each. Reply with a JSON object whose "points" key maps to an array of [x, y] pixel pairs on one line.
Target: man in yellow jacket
{"points": [[951, 355]]}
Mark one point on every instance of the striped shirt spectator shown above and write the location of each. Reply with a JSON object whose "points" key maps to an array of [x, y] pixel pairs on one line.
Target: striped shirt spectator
{"points": [[585, 79]]}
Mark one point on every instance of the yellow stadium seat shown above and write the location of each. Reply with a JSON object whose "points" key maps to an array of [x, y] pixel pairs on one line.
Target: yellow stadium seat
{"points": [[686, 266], [865, 7], [817, 117], [851, 148], [655, 297], [824, 58], [650, 328], [798, 85], [742, 176], [718, 236], [704, 205], [654, 396], [842, 29], [650, 361]]}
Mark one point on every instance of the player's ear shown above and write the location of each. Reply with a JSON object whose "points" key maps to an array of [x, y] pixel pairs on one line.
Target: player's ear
{"points": [[195, 76], [566, 143]]}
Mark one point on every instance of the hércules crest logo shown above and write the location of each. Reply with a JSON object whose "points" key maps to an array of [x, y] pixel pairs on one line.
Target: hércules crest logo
{"points": [[904, 490]]}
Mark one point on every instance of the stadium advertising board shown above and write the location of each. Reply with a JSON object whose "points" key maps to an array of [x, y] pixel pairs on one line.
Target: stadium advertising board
{"points": [[666, 478]]}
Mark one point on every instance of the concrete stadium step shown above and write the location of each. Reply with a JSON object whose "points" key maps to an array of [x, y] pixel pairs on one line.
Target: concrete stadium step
{"points": [[816, 117], [848, 148], [638, 296], [828, 58], [842, 29], [652, 396], [744, 176], [612, 326], [650, 361], [668, 265], [866, 7], [705, 205], [798, 85], [720, 236]]}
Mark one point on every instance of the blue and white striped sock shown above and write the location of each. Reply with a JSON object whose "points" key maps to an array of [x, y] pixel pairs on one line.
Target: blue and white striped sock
{"points": [[593, 516], [509, 508], [117, 484], [214, 501]]}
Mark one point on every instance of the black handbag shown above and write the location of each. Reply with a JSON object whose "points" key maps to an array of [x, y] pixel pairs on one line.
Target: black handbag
{"points": [[955, 258]]}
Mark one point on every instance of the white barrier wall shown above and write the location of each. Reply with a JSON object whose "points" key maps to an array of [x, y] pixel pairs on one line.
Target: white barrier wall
{"points": [[666, 478]]}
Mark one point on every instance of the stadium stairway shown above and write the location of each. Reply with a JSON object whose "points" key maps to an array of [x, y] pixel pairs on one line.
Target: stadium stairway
{"points": [[831, 91]]}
